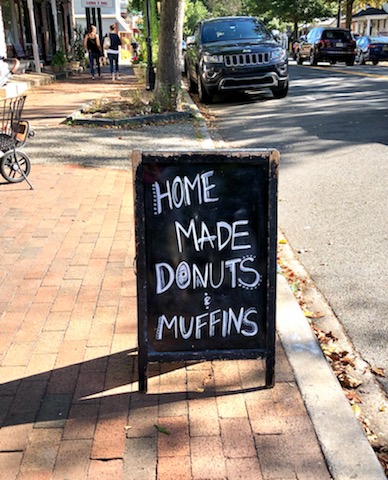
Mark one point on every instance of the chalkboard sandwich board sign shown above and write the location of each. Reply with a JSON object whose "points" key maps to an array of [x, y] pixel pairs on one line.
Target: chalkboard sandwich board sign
{"points": [[206, 224]]}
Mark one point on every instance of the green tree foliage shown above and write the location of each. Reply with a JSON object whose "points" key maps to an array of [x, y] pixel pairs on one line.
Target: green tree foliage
{"points": [[195, 11], [224, 8], [293, 12], [140, 6]]}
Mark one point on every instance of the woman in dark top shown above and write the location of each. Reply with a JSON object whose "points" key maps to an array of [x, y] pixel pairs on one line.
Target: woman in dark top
{"points": [[113, 52], [93, 46]]}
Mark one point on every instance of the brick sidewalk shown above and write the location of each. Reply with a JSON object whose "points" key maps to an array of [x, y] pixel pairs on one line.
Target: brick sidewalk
{"points": [[69, 405], [49, 105]]}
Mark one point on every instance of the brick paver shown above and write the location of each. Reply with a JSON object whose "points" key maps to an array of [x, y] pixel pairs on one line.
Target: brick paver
{"points": [[69, 405]]}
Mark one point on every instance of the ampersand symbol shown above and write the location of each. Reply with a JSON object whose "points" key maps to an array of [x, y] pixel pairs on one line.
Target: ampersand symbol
{"points": [[207, 300]]}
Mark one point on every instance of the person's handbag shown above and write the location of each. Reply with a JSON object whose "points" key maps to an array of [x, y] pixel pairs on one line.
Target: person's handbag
{"points": [[106, 43]]}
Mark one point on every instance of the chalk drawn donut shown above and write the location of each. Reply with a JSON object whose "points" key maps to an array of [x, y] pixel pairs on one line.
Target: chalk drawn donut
{"points": [[183, 275]]}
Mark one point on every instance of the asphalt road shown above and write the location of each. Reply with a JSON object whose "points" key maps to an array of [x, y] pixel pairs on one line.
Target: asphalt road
{"points": [[332, 135]]}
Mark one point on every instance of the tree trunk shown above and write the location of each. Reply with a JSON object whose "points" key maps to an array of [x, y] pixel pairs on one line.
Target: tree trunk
{"points": [[168, 72], [296, 31], [349, 13]]}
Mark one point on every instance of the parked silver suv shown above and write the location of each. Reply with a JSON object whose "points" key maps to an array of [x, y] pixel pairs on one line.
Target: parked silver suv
{"points": [[235, 53]]}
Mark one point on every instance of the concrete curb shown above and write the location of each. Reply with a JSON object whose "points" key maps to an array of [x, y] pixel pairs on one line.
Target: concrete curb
{"points": [[346, 449], [204, 132], [344, 445]]}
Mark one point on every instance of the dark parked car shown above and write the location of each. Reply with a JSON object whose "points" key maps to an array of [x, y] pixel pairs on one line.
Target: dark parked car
{"points": [[327, 44], [371, 49], [235, 53]]}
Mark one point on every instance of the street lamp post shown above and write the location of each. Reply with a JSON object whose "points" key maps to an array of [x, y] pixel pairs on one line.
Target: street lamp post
{"points": [[150, 69]]}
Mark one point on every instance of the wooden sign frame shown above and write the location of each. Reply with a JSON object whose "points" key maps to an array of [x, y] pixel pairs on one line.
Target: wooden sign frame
{"points": [[199, 216]]}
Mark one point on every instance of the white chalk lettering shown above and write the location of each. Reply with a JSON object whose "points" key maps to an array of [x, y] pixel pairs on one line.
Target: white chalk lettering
{"points": [[200, 323], [225, 234], [214, 319], [238, 272], [163, 283], [181, 191], [173, 324], [182, 328], [250, 324], [210, 324], [183, 275], [255, 281]]}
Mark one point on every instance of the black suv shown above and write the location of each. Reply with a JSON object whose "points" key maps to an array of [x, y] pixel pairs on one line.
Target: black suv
{"points": [[235, 53], [327, 44]]}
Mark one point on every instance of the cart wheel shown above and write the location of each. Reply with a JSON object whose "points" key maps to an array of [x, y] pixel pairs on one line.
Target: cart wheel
{"points": [[15, 166]]}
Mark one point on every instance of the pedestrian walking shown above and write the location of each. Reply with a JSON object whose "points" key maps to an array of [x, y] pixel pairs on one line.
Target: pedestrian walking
{"points": [[112, 44], [93, 46]]}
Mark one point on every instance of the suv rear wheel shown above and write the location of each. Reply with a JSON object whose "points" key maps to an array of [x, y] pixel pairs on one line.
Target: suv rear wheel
{"points": [[350, 62], [299, 59]]}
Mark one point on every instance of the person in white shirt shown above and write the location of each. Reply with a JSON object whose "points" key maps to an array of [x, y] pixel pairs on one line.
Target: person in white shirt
{"points": [[113, 52], [7, 70]]}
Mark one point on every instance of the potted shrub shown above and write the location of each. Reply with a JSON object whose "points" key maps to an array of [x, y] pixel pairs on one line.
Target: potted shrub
{"points": [[59, 61], [77, 54], [139, 67]]}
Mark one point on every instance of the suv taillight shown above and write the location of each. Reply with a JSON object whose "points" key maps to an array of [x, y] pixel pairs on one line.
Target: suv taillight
{"points": [[323, 43], [372, 45]]}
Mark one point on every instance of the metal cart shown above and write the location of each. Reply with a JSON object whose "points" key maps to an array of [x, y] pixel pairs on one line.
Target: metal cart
{"points": [[15, 164]]}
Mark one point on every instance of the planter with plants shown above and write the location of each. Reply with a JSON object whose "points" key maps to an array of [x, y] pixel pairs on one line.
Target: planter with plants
{"points": [[59, 61], [139, 67], [77, 53]]}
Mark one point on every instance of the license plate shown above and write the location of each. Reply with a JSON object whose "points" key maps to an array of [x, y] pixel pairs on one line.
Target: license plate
{"points": [[339, 44]]}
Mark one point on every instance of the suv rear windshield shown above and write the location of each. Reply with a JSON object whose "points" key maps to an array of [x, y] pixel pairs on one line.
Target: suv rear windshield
{"points": [[336, 34], [225, 30]]}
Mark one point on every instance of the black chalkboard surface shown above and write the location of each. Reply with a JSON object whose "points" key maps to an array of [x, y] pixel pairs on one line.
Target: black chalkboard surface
{"points": [[206, 225]]}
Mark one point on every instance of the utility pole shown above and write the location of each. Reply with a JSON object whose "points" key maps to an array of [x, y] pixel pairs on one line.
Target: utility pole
{"points": [[35, 47]]}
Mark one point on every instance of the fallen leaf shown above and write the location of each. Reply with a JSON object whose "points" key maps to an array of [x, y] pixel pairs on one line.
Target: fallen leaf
{"points": [[310, 314], [346, 360], [383, 407], [162, 430], [352, 396], [356, 410], [380, 372], [349, 381], [331, 336], [294, 286], [283, 241], [199, 390]]}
